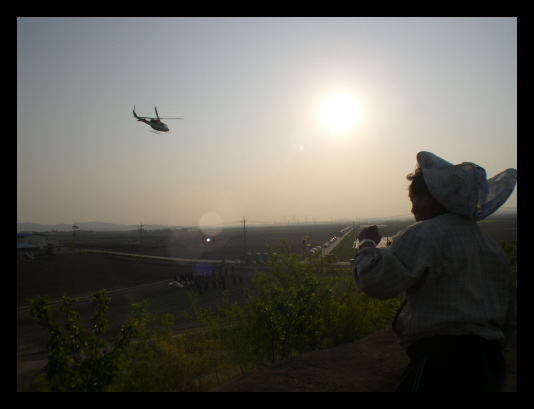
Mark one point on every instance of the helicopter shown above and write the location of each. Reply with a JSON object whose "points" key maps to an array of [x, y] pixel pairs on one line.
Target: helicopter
{"points": [[155, 123]]}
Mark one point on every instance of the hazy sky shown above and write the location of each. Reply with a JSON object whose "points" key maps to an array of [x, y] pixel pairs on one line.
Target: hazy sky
{"points": [[255, 141]]}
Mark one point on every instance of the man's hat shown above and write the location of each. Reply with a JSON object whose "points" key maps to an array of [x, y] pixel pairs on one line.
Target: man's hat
{"points": [[464, 189]]}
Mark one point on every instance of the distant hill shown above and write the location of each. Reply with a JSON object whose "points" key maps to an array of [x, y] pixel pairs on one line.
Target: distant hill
{"points": [[99, 226]]}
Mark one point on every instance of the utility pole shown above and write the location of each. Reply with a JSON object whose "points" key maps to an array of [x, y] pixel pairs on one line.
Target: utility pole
{"points": [[245, 237], [140, 238], [74, 227]]}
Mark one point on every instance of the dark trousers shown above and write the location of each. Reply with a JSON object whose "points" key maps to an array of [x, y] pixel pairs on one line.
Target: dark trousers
{"points": [[462, 363]]}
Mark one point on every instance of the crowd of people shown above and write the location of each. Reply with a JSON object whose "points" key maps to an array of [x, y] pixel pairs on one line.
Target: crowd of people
{"points": [[204, 280]]}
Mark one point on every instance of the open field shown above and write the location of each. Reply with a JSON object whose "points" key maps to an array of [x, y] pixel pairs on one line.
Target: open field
{"points": [[498, 227], [228, 244], [233, 243], [126, 280], [129, 280]]}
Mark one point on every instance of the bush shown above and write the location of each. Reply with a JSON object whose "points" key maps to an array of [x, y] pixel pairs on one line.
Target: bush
{"points": [[295, 308], [185, 363], [156, 361], [78, 362]]}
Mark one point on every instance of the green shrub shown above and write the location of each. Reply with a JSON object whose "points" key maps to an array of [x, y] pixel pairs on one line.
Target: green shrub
{"points": [[185, 363], [77, 361], [294, 308]]}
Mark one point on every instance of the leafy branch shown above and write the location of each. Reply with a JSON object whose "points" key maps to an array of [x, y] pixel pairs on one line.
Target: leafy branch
{"points": [[78, 361]]}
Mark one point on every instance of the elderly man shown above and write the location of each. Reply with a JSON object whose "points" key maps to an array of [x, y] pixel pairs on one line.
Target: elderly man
{"points": [[458, 299]]}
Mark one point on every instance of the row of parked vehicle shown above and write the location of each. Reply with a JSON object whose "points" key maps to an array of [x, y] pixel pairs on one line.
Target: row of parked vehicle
{"points": [[331, 241], [345, 230], [325, 245]]}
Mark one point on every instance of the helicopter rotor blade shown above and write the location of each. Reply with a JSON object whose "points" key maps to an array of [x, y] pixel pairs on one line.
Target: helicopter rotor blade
{"points": [[157, 112]]}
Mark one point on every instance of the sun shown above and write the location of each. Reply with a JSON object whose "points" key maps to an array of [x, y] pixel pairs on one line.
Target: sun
{"points": [[339, 112]]}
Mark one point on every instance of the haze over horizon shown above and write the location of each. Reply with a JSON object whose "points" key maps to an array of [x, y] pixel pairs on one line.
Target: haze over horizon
{"points": [[285, 118]]}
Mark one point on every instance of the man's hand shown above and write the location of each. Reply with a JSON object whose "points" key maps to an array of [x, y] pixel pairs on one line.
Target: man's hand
{"points": [[370, 232]]}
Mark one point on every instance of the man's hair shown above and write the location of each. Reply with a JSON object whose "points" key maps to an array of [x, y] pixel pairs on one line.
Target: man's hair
{"points": [[418, 185]]}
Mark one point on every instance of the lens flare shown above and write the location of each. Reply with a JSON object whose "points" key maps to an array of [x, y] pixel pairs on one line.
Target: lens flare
{"points": [[211, 224]]}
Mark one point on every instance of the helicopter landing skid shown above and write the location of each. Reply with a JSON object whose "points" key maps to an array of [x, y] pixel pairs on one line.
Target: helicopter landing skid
{"points": [[156, 132]]}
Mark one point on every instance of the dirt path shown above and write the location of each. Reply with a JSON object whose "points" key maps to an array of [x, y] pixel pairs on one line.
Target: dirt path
{"points": [[372, 364]]}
